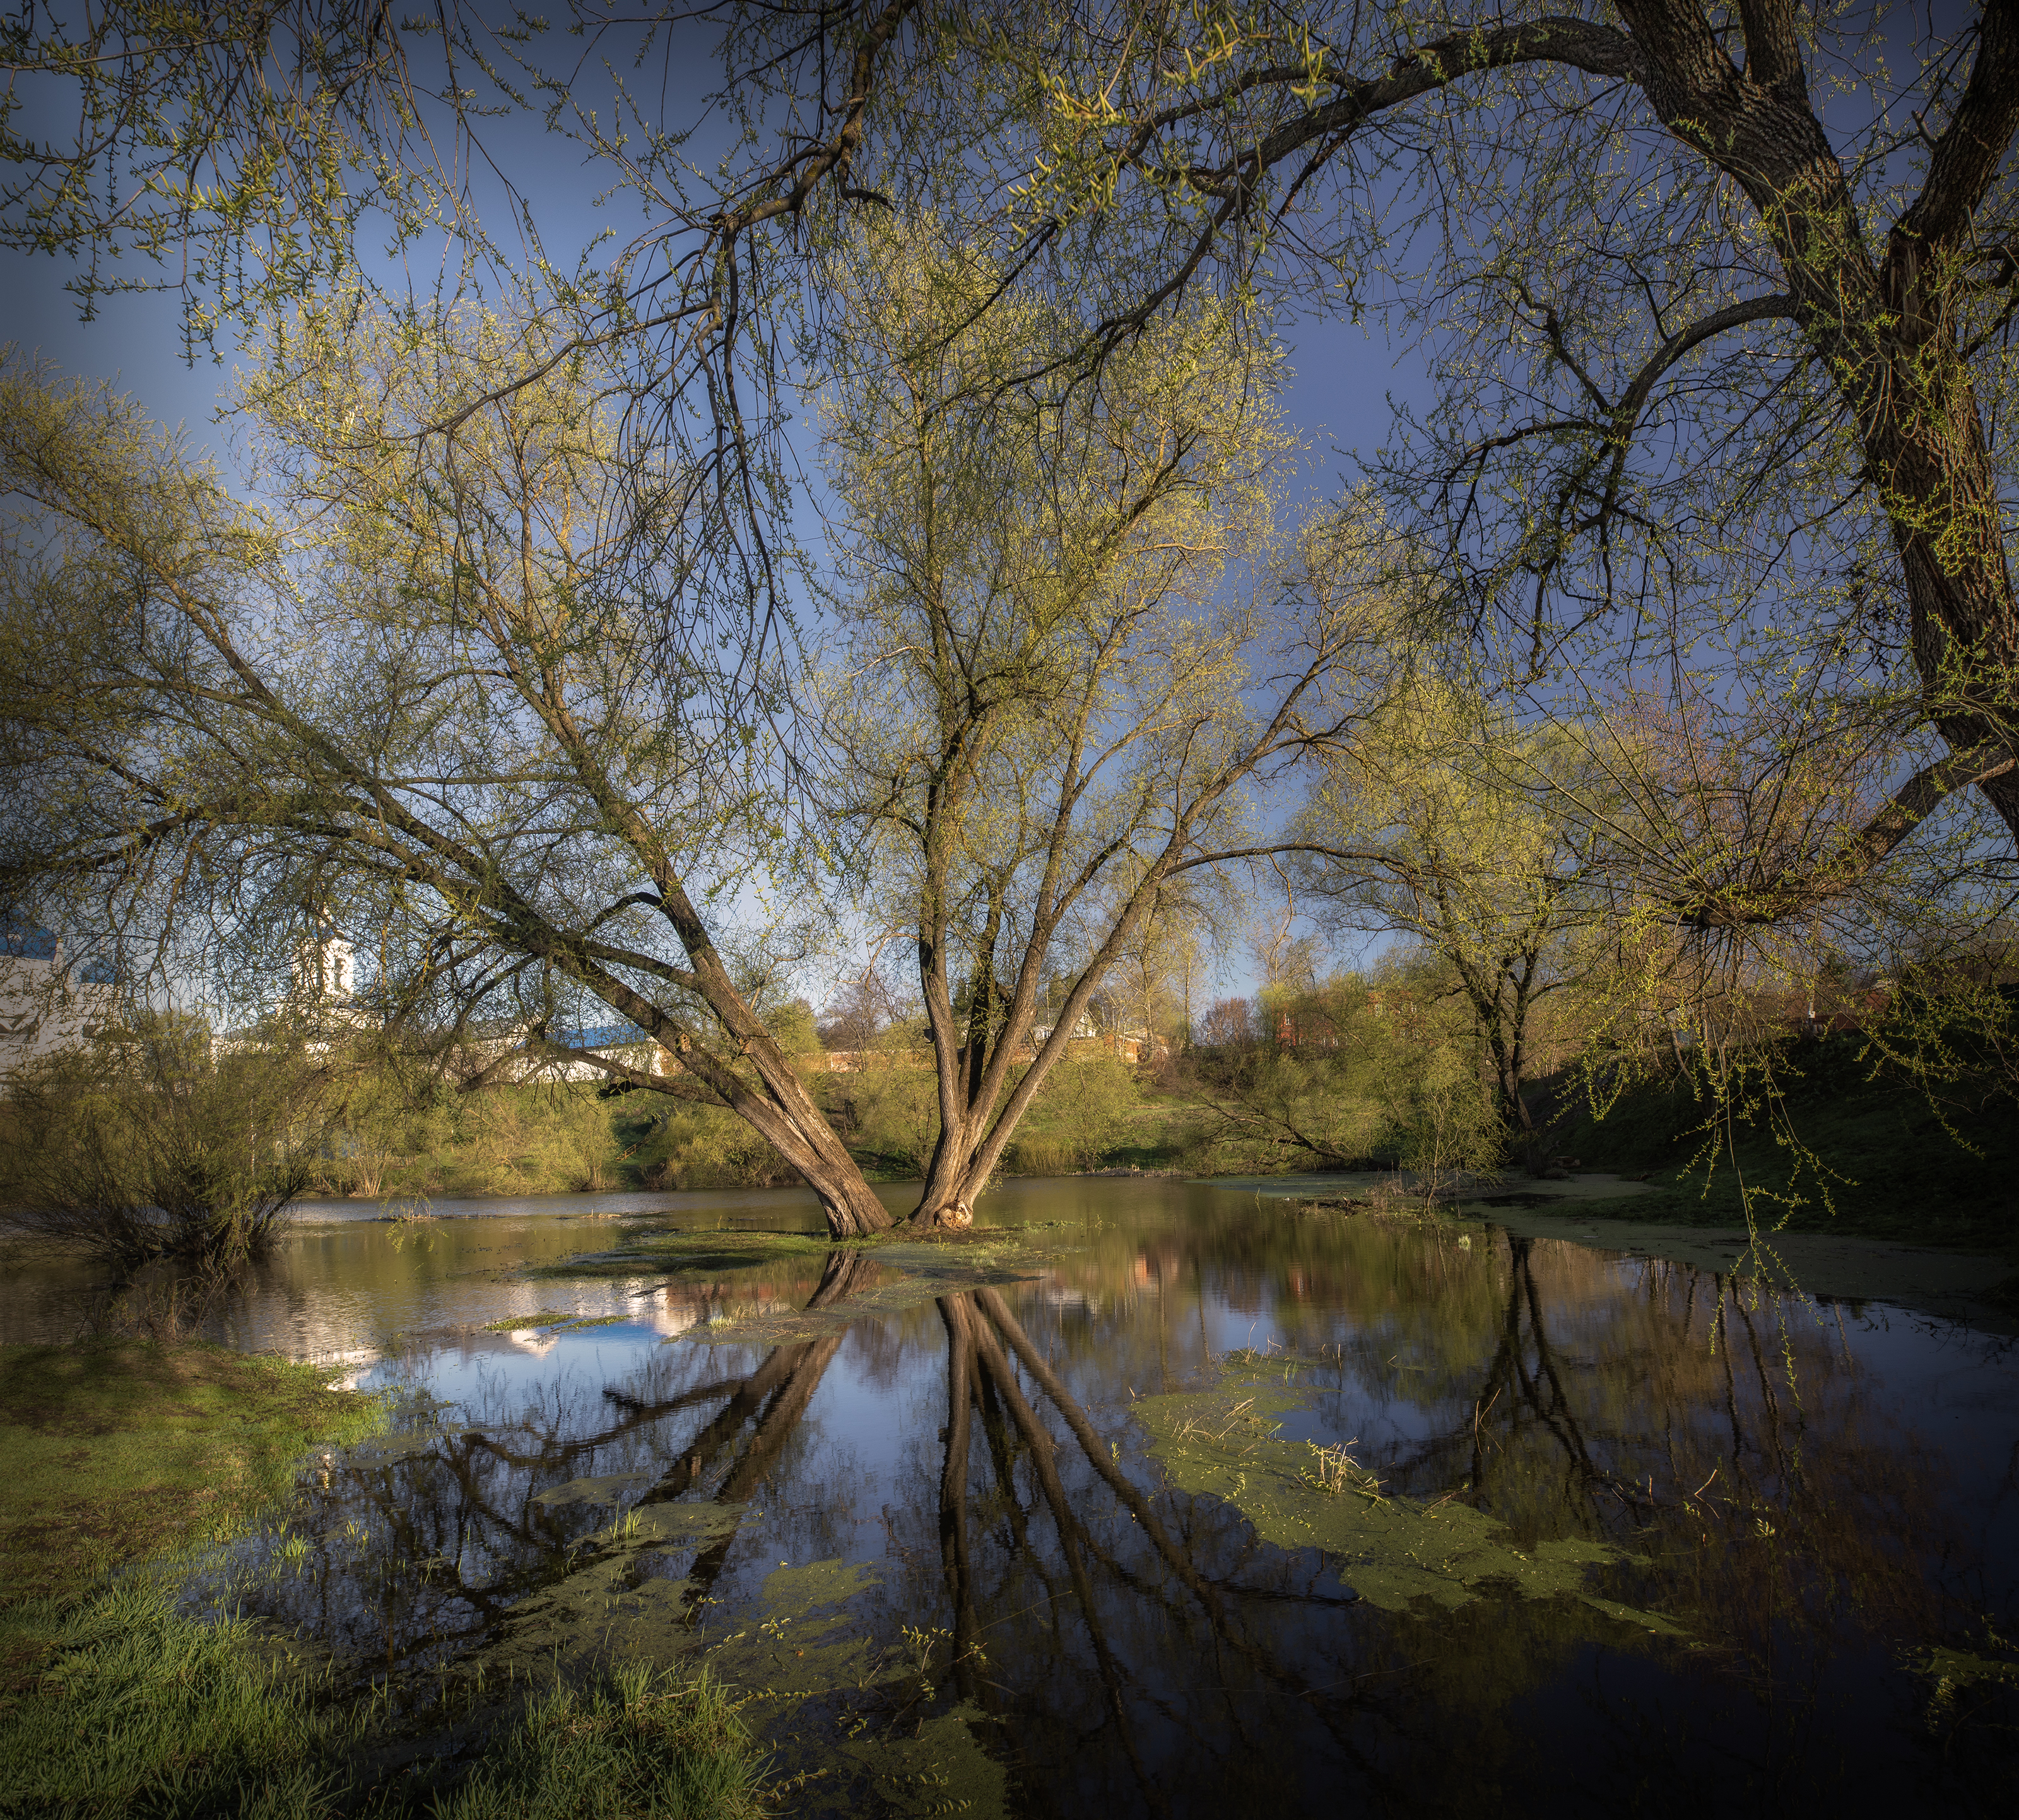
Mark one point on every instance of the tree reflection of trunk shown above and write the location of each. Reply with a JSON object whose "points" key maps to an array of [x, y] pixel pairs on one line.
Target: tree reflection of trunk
{"points": [[1538, 1389], [968, 1336], [963, 1369], [1525, 1378], [531, 1544], [776, 1394], [979, 1325]]}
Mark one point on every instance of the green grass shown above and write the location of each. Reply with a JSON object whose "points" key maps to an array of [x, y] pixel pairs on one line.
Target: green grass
{"points": [[119, 1704], [1891, 1166], [129, 1707], [127, 1451], [637, 1744], [114, 1702]]}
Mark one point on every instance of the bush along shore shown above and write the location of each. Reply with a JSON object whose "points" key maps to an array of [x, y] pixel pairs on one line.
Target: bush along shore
{"points": [[1843, 1145], [124, 1460]]}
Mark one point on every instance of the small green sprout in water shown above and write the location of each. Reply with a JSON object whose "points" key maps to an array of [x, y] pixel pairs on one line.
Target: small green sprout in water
{"points": [[921, 1642]]}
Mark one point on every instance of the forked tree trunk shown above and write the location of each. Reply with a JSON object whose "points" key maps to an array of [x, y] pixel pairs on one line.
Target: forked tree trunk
{"points": [[952, 1183]]}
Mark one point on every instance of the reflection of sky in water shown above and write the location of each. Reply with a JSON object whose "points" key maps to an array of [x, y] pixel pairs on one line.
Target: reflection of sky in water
{"points": [[495, 1371], [1868, 1508]]}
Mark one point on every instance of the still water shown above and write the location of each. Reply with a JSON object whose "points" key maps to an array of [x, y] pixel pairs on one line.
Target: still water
{"points": [[1160, 1499]]}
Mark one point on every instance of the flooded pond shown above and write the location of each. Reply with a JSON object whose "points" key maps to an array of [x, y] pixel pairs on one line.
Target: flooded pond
{"points": [[1158, 1498]]}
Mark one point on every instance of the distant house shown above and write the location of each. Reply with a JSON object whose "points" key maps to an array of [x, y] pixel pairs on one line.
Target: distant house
{"points": [[621, 1042], [48, 1001]]}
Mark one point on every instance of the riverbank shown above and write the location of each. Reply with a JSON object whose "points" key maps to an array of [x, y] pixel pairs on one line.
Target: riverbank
{"points": [[122, 1460], [1978, 1289], [125, 1450], [1853, 1149]]}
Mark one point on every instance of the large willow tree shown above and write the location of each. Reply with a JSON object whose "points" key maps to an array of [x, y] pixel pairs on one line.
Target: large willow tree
{"points": [[423, 690], [1046, 696], [1718, 300]]}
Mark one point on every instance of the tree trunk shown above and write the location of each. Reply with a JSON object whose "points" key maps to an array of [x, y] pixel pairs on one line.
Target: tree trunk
{"points": [[1885, 331], [947, 1204]]}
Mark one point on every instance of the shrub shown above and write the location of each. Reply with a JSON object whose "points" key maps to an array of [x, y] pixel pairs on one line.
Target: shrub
{"points": [[150, 1144], [701, 1147]]}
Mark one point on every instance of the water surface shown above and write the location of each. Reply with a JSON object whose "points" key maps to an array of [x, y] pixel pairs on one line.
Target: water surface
{"points": [[1185, 1502]]}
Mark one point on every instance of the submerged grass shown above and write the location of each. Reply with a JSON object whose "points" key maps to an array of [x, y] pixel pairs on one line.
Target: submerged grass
{"points": [[651, 1250], [115, 1701], [125, 1451]]}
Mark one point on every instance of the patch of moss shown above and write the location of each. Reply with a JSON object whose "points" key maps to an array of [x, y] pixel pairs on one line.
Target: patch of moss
{"points": [[1221, 1441], [123, 1452], [655, 1252], [890, 1271]]}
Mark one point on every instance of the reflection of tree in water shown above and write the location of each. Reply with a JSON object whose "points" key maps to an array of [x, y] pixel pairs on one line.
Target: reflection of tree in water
{"points": [[467, 1509], [983, 1336], [420, 1557], [1138, 1648], [1724, 1435]]}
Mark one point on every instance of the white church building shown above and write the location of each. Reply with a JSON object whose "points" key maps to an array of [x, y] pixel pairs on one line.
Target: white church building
{"points": [[49, 1001]]}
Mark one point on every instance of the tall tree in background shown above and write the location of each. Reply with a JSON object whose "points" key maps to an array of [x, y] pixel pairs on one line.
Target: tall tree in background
{"points": [[1046, 701], [1461, 831]]}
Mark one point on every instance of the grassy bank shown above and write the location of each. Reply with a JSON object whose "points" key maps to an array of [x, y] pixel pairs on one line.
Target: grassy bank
{"points": [[127, 1451], [113, 1702], [1869, 1155]]}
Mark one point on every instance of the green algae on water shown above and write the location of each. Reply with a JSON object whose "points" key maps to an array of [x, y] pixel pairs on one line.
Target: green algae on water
{"points": [[605, 1489], [911, 1273], [940, 1770], [800, 1659], [1221, 1441], [551, 1321]]}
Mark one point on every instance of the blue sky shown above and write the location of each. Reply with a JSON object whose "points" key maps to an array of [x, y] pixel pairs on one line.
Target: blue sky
{"points": [[1343, 372]]}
